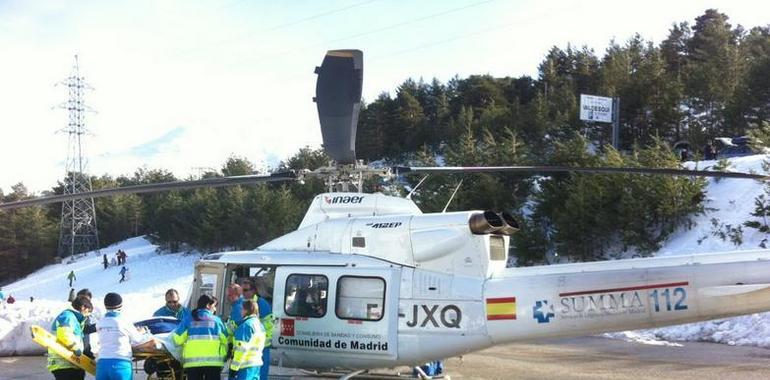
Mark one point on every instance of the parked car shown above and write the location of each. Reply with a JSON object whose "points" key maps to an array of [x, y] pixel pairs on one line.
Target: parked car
{"points": [[733, 147]]}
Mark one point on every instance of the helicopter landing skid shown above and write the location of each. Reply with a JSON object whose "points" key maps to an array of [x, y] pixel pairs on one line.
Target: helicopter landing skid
{"points": [[418, 373]]}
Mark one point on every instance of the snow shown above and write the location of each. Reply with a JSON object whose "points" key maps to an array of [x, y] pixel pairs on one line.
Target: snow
{"points": [[642, 337], [731, 202], [150, 275]]}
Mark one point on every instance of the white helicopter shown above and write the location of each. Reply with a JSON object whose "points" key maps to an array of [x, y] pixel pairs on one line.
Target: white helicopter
{"points": [[369, 281]]}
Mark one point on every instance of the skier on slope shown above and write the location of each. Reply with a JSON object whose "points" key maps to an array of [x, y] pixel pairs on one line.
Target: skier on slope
{"points": [[71, 277]]}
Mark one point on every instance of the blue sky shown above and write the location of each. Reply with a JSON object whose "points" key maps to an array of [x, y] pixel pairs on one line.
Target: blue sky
{"points": [[183, 85]]}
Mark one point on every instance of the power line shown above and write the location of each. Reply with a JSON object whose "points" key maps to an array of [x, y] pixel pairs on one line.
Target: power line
{"points": [[444, 41], [280, 26], [372, 31], [408, 22], [319, 15]]}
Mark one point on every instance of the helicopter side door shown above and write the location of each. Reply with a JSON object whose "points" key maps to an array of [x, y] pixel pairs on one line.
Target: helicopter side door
{"points": [[337, 311]]}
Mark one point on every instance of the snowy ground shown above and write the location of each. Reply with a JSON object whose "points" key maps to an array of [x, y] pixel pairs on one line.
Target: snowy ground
{"points": [[150, 275], [732, 201]]}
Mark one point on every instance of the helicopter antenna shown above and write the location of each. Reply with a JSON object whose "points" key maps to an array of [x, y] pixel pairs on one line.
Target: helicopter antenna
{"points": [[453, 195], [409, 196]]}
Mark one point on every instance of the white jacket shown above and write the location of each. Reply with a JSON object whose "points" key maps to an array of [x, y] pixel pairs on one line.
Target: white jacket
{"points": [[117, 336]]}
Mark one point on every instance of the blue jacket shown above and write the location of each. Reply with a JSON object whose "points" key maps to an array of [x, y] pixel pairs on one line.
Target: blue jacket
{"points": [[235, 312], [204, 341], [266, 317], [248, 342], [68, 329], [165, 311]]}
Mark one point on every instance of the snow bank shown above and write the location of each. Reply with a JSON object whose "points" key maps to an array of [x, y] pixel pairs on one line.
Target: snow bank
{"points": [[730, 201], [150, 275]]}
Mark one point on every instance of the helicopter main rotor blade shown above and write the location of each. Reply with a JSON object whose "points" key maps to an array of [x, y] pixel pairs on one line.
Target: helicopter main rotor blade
{"points": [[154, 188], [569, 169], [338, 97]]}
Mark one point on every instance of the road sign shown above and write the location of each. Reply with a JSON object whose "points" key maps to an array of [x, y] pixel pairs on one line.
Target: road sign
{"points": [[595, 108]]}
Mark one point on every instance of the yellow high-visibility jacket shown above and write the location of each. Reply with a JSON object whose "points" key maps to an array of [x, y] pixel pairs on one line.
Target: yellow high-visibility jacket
{"points": [[204, 340], [68, 329], [248, 343]]}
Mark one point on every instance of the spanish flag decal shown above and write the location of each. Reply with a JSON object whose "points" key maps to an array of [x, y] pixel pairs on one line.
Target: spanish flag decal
{"points": [[501, 308]]}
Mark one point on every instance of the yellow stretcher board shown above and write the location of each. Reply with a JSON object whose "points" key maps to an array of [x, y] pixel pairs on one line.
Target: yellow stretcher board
{"points": [[42, 337]]}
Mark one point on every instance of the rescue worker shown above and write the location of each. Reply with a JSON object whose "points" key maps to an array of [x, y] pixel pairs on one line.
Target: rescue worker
{"points": [[248, 342], [89, 327], [204, 340], [71, 277], [235, 296], [172, 308], [266, 317], [117, 336], [68, 329]]}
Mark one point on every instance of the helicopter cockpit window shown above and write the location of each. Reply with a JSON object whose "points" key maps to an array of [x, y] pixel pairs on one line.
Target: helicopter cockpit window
{"points": [[361, 298], [306, 295]]}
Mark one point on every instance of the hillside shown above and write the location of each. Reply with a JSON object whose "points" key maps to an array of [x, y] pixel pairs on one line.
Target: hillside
{"points": [[150, 276]]}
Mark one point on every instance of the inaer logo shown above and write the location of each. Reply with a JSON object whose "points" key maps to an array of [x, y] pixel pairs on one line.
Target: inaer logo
{"points": [[343, 199]]}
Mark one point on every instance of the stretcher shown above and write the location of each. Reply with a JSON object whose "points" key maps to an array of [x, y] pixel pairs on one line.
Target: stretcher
{"points": [[161, 361], [44, 338]]}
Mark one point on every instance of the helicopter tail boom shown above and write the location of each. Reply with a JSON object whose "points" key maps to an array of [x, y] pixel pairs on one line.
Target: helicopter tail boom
{"points": [[589, 298]]}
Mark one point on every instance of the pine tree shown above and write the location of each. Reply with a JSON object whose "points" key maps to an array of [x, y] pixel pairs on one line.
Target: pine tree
{"points": [[711, 74], [409, 123]]}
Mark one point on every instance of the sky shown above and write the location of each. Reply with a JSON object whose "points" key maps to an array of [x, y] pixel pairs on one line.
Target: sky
{"points": [[183, 85]]}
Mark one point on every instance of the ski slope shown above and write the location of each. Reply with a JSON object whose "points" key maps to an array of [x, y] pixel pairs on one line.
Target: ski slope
{"points": [[150, 275]]}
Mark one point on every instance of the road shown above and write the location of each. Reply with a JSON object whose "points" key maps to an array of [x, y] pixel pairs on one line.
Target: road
{"points": [[579, 358]]}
